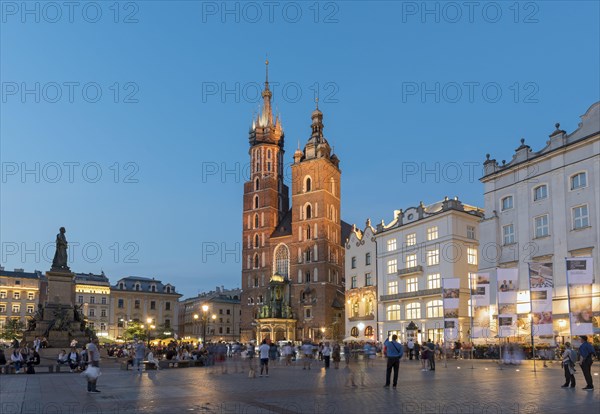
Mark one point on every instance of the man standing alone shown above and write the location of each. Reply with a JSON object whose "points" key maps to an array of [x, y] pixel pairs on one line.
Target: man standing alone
{"points": [[394, 352], [431, 354], [94, 361], [586, 353]]}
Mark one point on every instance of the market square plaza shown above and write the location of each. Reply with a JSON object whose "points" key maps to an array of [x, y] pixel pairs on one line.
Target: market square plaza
{"points": [[462, 386]]}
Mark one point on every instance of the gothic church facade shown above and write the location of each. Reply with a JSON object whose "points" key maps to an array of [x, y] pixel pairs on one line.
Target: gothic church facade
{"points": [[293, 256]]}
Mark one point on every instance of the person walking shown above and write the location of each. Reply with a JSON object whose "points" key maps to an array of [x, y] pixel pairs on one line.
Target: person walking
{"points": [[336, 355], [263, 349], [347, 353], [586, 353], [307, 353], [140, 353], [568, 361], [326, 354], [395, 350], [431, 354], [411, 348], [94, 361]]}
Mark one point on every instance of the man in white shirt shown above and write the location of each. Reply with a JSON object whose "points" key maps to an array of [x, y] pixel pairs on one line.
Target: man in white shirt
{"points": [[307, 351], [264, 357]]}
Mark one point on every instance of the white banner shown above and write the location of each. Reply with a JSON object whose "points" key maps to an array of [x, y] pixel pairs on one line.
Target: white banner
{"points": [[580, 276], [450, 296], [508, 282], [541, 284], [480, 304]]}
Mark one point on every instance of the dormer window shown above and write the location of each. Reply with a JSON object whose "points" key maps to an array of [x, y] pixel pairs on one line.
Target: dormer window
{"points": [[137, 286], [121, 285], [153, 288], [168, 289]]}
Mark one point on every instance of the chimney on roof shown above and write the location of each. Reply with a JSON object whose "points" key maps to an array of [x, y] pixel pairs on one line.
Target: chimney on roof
{"points": [[217, 289]]}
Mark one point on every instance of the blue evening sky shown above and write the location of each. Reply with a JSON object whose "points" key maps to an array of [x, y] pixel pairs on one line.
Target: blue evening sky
{"points": [[148, 176]]}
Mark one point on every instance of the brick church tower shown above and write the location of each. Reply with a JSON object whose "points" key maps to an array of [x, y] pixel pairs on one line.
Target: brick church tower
{"points": [[293, 259]]}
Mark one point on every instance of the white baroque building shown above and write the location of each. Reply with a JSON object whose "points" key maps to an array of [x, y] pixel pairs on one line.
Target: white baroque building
{"points": [[543, 206], [361, 283], [414, 252]]}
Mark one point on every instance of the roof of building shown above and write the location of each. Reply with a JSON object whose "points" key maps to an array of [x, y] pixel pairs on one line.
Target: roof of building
{"points": [[91, 278], [415, 214], [145, 285], [21, 273], [588, 127], [284, 228]]}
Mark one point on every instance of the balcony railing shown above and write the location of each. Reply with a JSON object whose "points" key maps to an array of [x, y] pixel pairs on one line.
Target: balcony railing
{"points": [[362, 318], [408, 295], [410, 270]]}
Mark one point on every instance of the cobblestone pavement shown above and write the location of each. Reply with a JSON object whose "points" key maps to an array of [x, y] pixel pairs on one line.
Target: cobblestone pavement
{"points": [[461, 387]]}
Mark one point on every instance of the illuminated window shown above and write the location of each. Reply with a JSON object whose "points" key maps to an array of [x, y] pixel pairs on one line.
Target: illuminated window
{"points": [[411, 239], [30, 308], [412, 284], [392, 266], [30, 295], [411, 260], [393, 312], [368, 279], [391, 245], [392, 287], [432, 233], [472, 255], [413, 310], [433, 281], [16, 295], [471, 232], [435, 309], [433, 257]]}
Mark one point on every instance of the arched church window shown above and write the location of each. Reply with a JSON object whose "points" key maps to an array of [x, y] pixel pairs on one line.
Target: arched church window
{"points": [[256, 241], [256, 184], [308, 235], [255, 201], [282, 260], [255, 220], [308, 255], [307, 277], [308, 211], [269, 154], [256, 266], [307, 184]]}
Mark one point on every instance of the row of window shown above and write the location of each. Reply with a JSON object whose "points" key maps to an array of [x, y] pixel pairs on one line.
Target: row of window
{"points": [[92, 299], [16, 308], [434, 309], [369, 307], [412, 284], [137, 304], [432, 259], [541, 224], [16, 295], [138, 287], [540, 192], [368, 281]]}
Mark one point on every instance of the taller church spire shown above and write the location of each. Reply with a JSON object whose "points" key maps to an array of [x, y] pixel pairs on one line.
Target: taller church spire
{"points": [[264, 128]]}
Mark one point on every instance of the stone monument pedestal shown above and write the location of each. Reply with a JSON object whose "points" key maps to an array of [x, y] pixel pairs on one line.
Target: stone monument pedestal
{"points": [[59, 321]]}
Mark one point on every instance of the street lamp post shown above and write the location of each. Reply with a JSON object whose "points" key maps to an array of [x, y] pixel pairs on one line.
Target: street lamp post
{"points": [[150, 326], [204, 320]]}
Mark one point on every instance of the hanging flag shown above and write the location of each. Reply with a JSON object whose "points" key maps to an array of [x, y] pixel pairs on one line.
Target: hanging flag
{"points": [[580, 276], [541, 284], [508, 280], [450, 297], [480, 304]]}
